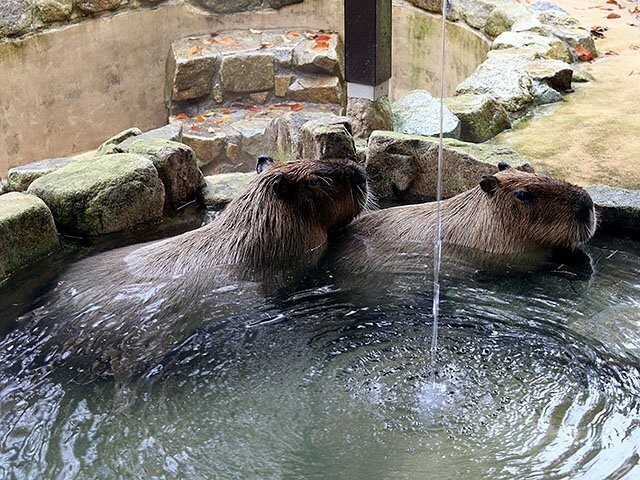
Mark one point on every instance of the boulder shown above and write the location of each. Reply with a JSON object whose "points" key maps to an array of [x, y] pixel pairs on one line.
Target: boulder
{"points": [[323, 139], [404, 167], [4, 186], [103, 195], [316, 89], [247, 72], [418, 113], [476, 12], [555, 73], [503, 17], [27, 231], [368, 115], [618, 209], [209, 145], [177, 168], [229, 6], [97, 6], [549, 47], [281, 84], [220, 189], [543, 94], [189, 71], [481, 117], [254, 138], [284, 131], [111, 145], [171, 132], [580, 75], [15, 17], [504, 78], [308, 58], [54, 10], [21, 177]]}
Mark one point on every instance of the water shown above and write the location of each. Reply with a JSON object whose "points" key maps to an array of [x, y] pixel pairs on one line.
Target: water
{"points": [[537, 377]]}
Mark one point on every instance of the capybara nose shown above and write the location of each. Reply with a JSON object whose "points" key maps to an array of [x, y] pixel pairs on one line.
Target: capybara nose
{"points": [[584, 208]]}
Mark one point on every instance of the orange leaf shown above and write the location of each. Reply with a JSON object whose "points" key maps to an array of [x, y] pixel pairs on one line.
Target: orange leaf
{"points": [[613, 15], [227, 41], [323, 38], [296, 107], [219, 122], [266, 45], [583, 54], [254, 108], [272, 107], [224, 118], [200, 119], [293, 33], [182, 116], [226, 111], [195, 50], [321, 46], [248, 116], [195, 127]]}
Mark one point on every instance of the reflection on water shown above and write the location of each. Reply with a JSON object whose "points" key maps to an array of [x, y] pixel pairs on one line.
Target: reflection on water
{"points": [[537, 377]]}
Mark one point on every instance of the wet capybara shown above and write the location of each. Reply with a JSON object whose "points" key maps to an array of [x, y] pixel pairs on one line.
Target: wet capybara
{"points": [[510, 212], [122, 311]]}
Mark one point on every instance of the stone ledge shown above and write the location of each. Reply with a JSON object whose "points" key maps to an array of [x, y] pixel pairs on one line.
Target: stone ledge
{"points": [[618, 208]]}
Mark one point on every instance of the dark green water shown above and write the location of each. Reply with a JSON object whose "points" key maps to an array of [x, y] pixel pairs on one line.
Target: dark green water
{"points": [[537, 373]]}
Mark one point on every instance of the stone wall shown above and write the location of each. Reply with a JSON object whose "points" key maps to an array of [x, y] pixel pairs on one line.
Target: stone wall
{"points": [[19, 17]]}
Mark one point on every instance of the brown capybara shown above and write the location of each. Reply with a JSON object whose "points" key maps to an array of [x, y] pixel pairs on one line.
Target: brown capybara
{"points": [[510, 212], [122, 311]]}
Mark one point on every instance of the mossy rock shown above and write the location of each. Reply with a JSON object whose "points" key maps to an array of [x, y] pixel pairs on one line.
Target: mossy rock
{"points": [[27, 231], [103, 195]]}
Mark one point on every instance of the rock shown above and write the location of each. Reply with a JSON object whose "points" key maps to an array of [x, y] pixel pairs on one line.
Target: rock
{"points": [[228, 6], [530, 23], [220, 189], [281, 3], [503, 17], [504, 78], [111, 145], [367, 115], [171, 132], [284, 131], [4, 186], [543, 94], [475, 13], [618, 209], [106, 194], [209, 146], [254, 140], [189, 75], [21, 177], [15, 17], [575, 37], [309, 59], [545, 5], [361, 151], [418, 113], [580, 75], [404, 167], [481, 117], [551, 48], [316, 89], [259, 98], [247, 72], [282, 83], [557, 18], [323, 139], [177, 168], [54, 10], [555, 73], [27, 231], [96, 6]]}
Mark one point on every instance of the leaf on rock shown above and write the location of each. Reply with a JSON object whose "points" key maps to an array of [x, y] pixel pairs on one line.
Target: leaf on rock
{"points": [[195, 50], [320, 46], [613, 15], [182, 116], [200, 119], [296, 107], [583, 54]]}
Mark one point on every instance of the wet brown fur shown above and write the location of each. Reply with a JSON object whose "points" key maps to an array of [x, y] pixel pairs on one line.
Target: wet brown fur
{"points": [[495, 222]]}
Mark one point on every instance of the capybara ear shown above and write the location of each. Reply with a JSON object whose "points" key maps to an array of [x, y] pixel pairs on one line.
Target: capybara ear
{"points": [[503, 166], [282, 186], [263, 163], [489, 184]]}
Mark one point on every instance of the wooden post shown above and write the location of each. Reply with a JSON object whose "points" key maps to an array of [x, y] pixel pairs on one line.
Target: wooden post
{"points": [[367, 45]]}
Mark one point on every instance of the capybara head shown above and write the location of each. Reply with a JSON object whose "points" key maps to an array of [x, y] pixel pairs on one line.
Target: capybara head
{"points": [[542, 212], [288, 210]]}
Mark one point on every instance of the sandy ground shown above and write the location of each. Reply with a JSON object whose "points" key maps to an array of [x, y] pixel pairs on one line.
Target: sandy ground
{"points": [[593, 137]]}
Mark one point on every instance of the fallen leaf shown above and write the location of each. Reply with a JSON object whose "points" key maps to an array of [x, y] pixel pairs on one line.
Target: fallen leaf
{"points": [[225, 118], [200, 119], [255, 31], [293, 33], [613, 15], [227, 41], [248, 116], [195, 50], [219, 122], [225, 111], [320, 46], [255, 108], [635, 46], [323, 107], [323, 38], [583, 54], [195, 127], [182, 116], [296, 107], [214, 34], [611, 53], [266, 45], [272, 107]]}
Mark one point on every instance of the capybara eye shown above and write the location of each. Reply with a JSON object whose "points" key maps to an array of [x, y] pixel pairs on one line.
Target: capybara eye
{"points": [[523, 195]]}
